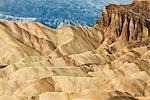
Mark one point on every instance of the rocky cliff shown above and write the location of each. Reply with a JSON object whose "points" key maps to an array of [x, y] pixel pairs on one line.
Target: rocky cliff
{"points": [[110, 61], [129, 22], [127, 25]]}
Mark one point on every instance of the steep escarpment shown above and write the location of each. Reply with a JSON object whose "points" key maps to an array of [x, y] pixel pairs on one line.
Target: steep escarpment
{"points": [[128, 22], [110, 61]]}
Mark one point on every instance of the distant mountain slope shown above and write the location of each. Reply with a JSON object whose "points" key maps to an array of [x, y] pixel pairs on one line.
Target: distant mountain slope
{"points": [[55, 13]]}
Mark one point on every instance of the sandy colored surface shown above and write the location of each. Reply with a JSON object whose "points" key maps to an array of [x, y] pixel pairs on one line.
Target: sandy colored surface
{"points": [[110, 61]]}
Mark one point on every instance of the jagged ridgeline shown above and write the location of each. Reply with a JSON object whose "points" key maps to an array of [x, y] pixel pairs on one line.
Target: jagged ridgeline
{"points": [[127, 23], [110, 61]]}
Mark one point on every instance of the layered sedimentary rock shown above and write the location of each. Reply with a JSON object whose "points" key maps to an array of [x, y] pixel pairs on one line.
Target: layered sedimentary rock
{"points": [[126, 23], [110, 61]]}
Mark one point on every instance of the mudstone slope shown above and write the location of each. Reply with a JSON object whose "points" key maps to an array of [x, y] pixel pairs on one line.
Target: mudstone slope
{"points": [[110, 61]]}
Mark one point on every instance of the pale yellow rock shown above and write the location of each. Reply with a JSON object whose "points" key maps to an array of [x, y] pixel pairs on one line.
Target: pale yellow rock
{"points": [[54, 96], [75, 84], [13, 98], [110, 61], [90, 94], [35, 88]]}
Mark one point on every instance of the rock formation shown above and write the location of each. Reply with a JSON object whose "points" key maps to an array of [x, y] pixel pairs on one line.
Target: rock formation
{"points": [[110, 61]]}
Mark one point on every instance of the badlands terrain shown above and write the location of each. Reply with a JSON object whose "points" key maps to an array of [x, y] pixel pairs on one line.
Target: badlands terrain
{"points": [[110, 61]]}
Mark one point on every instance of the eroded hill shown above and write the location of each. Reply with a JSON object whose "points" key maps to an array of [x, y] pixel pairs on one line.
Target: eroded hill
{"points": [[110, 61]]}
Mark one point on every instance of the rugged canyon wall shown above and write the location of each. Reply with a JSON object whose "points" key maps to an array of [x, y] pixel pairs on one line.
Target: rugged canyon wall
{"points": [[110, 61], [126, 23]]}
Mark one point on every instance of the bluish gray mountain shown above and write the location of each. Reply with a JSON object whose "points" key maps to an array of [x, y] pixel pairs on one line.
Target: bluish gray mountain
{"points": [[55, 13]]}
